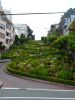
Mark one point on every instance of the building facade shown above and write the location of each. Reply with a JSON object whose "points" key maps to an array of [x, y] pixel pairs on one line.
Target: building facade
{"points": [[21, 29], [53, 29], [7, 33], [67, 23]]}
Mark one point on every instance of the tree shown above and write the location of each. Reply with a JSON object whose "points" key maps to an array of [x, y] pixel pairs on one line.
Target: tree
{"points": [[29, 33], [17, 41], [61, 43], [44, 39], [72, 27], [51, 39], [2, 47], [22, 39], [33, 37], [66, 46]]}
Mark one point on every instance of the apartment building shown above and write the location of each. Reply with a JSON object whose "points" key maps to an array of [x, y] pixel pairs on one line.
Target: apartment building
{"points": [[21, 29], [67, 22], [7, 32], [53, 29]]}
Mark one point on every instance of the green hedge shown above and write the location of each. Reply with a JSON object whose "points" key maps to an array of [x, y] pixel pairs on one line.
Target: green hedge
{"points": [[51, 79]]}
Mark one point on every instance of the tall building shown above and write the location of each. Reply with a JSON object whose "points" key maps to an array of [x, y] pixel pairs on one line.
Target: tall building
{"points": [[7, 32]]}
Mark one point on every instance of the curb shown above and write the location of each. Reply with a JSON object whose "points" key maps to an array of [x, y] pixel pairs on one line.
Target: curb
{"points": [[1, 84], [38, 80], [5, 60]]}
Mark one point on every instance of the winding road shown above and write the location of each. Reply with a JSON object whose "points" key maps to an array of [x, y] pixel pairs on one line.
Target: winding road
{"points": [[16, 82]]}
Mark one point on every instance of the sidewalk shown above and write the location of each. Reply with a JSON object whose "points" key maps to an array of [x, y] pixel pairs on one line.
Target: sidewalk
{"points": [[5, 60], [1, 84], [2, 61]]}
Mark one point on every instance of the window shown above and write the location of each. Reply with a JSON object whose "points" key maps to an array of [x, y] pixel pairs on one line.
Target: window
{"points": [[8, 26], [8, 34], [2, 26], [7, 41], [0, 43]]}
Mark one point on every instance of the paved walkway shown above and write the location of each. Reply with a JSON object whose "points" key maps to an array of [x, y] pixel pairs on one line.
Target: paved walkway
{"points": [[0, 84]]}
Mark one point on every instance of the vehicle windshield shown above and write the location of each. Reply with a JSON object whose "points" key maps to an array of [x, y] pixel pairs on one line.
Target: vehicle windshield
{"points": [[37, 49]]}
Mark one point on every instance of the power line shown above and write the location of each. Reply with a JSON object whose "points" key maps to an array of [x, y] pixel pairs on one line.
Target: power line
{"points": [[34, 13]]}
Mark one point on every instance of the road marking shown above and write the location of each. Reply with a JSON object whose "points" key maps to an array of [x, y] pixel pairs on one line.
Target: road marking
{"points": [[5, 88], [47, 89], [42, 98]]}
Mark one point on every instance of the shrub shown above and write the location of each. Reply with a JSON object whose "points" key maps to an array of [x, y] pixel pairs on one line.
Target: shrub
{"points": [[51, 39], [66, 75], [44, 39], [74, 75], [12, 65], [40, 70], [71, 43], [52, 79], [61, 43], [72, 27]]}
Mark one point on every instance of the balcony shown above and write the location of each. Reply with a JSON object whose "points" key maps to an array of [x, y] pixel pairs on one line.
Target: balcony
{"points": [[2, 40], [2, 37], [6, 45]]}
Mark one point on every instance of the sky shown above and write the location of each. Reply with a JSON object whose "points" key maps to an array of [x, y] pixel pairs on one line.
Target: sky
{"points": [[40, 24]]}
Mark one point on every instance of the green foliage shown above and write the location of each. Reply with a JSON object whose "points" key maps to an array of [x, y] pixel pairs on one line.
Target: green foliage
{"points": [[16, 40], [40, 70], [2, 47], [51, 39], [66, 75], [51, 79], [38, 60], [68, 13], [72, 28], [44, 39], [30, 36], [12, 65], [74, 75], [65, 43], [71, 43], [61, 43], [22, 39]]}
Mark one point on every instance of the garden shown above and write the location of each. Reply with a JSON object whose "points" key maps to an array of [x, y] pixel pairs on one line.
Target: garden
{"points": [[52, 58]]}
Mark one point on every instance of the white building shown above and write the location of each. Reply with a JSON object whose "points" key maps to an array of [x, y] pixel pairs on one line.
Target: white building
{"points": [[67, 23], [53, 29], [21, 29], [7, 33], [8, 16]]}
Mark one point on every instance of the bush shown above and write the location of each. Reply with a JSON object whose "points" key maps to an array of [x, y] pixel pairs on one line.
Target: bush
{"points": [[51, 39], [68, 82], [66, 75], [12, 65], [61, 43], [44, 39], [40, 70], [71, 43], [74, 75]]}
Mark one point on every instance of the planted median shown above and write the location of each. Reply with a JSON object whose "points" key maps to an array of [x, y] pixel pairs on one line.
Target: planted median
{"points": [[37, 60], [47, 78]]}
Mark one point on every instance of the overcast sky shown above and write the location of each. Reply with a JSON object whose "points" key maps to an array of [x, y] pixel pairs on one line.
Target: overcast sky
{"points": [[40, 24]]}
